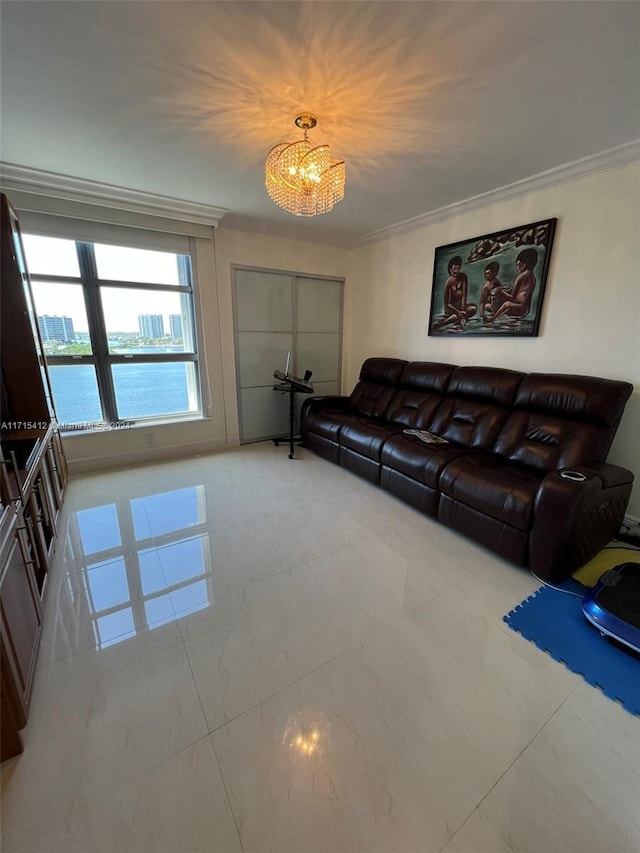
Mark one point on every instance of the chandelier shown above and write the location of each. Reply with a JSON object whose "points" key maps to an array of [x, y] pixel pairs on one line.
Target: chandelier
{"points": [[302, 179]]}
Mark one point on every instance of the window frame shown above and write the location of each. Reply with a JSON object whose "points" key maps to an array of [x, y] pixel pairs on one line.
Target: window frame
{"points": [[100, 357]]}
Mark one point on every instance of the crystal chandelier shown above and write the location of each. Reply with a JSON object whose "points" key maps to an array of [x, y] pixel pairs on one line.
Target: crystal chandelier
{"points": [[302, 179]]}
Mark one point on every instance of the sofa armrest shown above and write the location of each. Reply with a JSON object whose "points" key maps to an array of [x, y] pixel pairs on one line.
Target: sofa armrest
{"points": [[328, 402], [576, 512], [313, 404]]}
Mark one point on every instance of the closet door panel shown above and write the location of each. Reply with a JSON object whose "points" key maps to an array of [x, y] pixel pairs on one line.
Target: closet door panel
{"points": [[263, 302], [259, 354], [264, 413], [319, 353], [318, 305]]}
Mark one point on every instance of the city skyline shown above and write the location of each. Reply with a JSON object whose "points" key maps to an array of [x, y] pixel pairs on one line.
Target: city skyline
{"points": [[59, 327], [121, 306]]}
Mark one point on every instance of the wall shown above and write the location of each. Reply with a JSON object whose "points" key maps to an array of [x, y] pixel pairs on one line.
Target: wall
{"points": [[261, 250], [591, 315]]}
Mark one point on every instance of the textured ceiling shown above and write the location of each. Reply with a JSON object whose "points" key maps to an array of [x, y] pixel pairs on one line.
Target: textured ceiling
{"points": [[429, 103]]}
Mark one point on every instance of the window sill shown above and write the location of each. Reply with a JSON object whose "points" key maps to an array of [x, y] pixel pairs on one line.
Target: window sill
{"points": [[124, 426]]}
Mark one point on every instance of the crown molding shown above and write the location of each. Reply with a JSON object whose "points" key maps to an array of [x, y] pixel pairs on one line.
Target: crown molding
{"points": [[54, 185], [608, 159], [238, 222]]}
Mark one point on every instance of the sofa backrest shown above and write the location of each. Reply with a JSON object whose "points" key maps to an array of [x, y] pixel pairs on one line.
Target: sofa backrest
{"points": [[476, 406], [422, 387], [379, 378], [560, 420]]}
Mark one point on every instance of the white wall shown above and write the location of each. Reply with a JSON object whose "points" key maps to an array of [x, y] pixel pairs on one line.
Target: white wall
{"points": [[261, 250], [591, 313]]}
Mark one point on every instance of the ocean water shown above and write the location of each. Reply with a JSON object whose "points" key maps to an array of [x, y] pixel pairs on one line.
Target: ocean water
{"points": [[142, 390]]}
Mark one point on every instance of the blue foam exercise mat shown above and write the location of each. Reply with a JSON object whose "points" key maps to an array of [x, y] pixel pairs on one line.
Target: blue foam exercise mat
{"points": [[555, 622]]}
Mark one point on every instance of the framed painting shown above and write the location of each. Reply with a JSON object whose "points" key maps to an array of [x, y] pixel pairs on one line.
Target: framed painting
{"points": [[492, 285]]}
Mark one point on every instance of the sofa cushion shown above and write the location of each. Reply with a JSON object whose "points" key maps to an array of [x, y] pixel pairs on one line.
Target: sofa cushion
{"points": [[429, 376], [585, 399], [379, 378], [560, 421], [491, 485], [384, 371], [366, 437], [371, 399], [422, 462], [422, 388], [495, 385], [476, 405], [326, 422], [413, 409], [548, 443]]}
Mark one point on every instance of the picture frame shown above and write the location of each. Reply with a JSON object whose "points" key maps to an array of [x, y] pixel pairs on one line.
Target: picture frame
{"points": [[492, 285]]}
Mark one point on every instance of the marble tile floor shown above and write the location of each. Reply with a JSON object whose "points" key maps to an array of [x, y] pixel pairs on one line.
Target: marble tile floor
{"points": [[247, 653]]}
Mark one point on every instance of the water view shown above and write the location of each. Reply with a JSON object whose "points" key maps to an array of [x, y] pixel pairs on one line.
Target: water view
{"points": [[142, 390]]}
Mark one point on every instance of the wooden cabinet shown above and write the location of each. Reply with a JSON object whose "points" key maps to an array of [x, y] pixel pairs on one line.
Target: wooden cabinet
{"points": [[20, 616], [33, 476]]}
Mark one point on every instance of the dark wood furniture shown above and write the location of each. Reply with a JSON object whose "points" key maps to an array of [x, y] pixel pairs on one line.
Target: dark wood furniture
{"points": [[33, 476]]}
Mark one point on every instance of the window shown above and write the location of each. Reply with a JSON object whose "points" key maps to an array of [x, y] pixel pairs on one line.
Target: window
{"points": [[117, 325]]}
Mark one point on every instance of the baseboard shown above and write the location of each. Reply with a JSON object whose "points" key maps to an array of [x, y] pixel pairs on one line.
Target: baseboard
{"points": [[631, 521], [88, 464]]}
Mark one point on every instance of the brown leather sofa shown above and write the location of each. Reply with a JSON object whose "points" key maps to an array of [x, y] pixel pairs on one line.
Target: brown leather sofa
{"points": [[523, 472]]}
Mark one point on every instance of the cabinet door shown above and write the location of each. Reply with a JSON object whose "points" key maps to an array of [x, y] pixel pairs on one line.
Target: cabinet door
{"points": [[61, 460], [54, 477], [6, 492], [47, 495], [35, 546], [40, 534], [20, 617], [11, 712], [56, 469]]}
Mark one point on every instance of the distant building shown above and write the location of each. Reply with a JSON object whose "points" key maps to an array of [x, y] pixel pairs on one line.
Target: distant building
{"points": [[151, 325], [54, 328], [175, 324]]}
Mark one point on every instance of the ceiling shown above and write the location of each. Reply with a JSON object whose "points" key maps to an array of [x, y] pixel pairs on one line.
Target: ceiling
{"points": [[429, 103]]}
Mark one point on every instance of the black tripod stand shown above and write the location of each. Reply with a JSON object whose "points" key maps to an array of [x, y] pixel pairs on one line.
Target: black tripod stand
{"points": [[291, 385]]}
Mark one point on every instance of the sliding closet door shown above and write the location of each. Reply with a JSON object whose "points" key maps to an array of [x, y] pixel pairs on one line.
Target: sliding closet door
{"points": [[264, 335], [317, 331], [276, 312]]}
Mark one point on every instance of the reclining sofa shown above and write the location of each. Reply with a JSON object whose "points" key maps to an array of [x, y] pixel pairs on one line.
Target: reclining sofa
{"points": [[523, 471]]}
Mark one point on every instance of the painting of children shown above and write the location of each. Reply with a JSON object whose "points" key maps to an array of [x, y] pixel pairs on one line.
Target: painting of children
{"points": [[468, 297]]}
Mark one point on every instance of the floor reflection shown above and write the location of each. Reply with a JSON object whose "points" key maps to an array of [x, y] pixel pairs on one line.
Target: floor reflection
{"points": [[307, 735], [140, 563]]}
